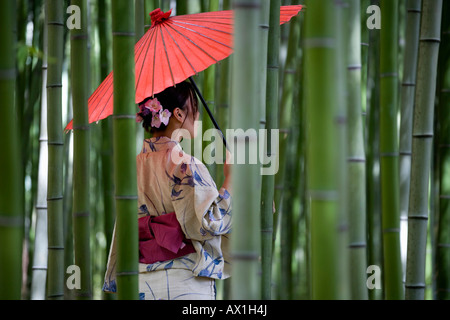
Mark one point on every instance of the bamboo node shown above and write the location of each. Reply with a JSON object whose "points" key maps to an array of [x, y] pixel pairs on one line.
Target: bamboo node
{"points": [[431, 40], [245, 256], [55, 248], [54, 198], [55, 23], [38, 268], [56, 85], [354, 245], [55, 143], [415, 285], [354, 67], [418, 217], [423, 135], [356, 159]]}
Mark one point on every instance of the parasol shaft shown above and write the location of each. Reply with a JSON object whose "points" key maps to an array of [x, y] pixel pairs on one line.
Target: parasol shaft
{"points": [[209, 111]]}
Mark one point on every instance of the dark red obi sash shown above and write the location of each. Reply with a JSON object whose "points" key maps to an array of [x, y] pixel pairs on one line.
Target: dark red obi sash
{"points": [[161, 239]]}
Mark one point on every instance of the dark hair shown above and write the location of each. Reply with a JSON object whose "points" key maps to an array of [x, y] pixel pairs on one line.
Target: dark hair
{"points": [[170, 99]]}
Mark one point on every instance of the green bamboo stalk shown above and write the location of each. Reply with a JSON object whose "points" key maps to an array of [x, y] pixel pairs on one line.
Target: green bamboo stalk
{"points": [[421, 148], [342, 41], [40, 252], [321, 94], [374, 235], [442, 260], [389, 150], [413, 8], [124, 140], [356, 158], [106, 147], [245, 243], [223, 119], [81, 141], [284, 114], [11, 211], [182, 7], [55, 277], [268, 181], [263, 35]]}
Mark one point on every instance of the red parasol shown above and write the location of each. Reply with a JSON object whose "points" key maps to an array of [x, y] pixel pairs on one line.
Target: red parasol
{"points": [[171, 51]]}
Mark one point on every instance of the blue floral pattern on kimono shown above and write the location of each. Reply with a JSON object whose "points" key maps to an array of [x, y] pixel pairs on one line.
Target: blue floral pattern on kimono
{"points": [[170, 180]]}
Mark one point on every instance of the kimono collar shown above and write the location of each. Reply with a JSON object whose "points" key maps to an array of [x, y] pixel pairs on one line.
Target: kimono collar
{"points": [[161, 143]]}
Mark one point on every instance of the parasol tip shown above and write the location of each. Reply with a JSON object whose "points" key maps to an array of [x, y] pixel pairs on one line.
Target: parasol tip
{"points": [[158, 16]]}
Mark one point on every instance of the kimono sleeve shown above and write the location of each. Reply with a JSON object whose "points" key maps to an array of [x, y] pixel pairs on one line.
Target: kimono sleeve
{"points": [[202, 210]]}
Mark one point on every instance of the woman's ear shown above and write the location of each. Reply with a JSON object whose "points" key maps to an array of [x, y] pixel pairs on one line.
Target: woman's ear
{"points": [[179, 114]]}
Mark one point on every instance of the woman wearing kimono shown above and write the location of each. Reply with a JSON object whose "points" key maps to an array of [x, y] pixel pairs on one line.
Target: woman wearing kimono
{"points": [[184, 221]]}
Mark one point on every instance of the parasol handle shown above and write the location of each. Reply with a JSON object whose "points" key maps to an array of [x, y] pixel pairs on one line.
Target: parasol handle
{"points": [[209, 111]]}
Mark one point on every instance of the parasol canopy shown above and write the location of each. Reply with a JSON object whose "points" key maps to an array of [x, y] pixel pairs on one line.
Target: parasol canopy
{"points": [[171, 51]]}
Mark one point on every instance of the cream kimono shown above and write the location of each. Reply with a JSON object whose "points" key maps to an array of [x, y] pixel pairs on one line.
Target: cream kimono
{"points": [[169, 180]]}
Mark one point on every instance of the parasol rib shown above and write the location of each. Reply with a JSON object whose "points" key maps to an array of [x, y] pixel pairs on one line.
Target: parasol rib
{"points": [[151, 35], [167, 56], [203, 26], [189, 40], [154, 61], [182, 52], [204, 36]]}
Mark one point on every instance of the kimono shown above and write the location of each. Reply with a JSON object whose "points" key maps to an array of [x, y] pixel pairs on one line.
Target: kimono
{"points": [[169, 180]]}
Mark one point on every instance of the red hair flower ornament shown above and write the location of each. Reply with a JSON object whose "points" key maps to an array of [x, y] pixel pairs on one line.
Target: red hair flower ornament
{"points": [[159, 115]]}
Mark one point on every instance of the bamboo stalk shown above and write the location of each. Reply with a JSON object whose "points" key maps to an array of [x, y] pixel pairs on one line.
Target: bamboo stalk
{"points": [[321, 94], [11, 211], [284, 115], [374, 235], [125, 159], [421, 148], [107, 143], [40, 253], [356, 158], [81, 151], [442, 146], [56, 272], [413, 8], [390, 209], [245, 242], [268, 181]]}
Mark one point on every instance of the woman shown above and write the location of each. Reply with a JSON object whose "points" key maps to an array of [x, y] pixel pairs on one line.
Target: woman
{"points": [[184, 220]]}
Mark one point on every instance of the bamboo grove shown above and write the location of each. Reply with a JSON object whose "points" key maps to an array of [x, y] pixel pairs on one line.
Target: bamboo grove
{"points": [[357, 90]]}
